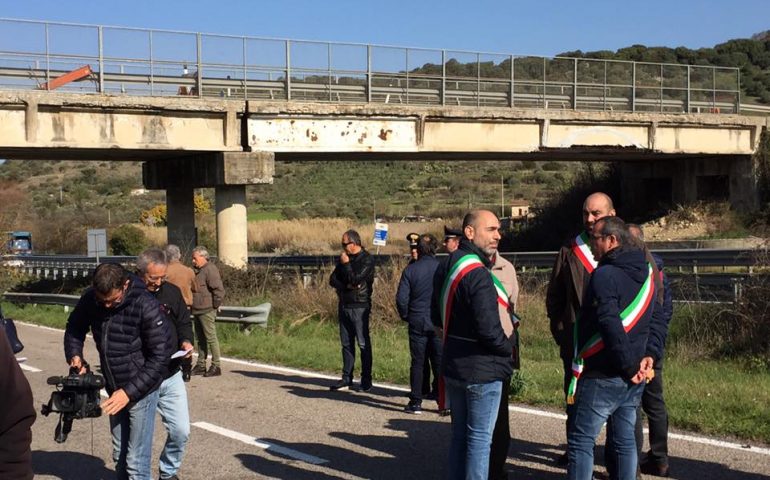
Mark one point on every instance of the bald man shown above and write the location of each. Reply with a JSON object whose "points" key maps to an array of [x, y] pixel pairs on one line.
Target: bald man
{"points": [[569, 279]]}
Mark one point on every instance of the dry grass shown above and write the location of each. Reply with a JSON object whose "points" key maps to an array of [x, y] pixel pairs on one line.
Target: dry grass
{"points": [[321, 236]]}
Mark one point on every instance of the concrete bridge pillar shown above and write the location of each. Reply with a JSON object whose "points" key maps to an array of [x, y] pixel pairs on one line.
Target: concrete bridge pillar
{"points": [[228, 173], [232, 246], [180, 208]]}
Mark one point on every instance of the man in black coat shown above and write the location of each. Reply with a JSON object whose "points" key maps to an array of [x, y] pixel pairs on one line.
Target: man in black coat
{"points": [[132, 336], [413, 302], [152, 266], [17, 414], [477, 354], [353, 278], [610, 346]]}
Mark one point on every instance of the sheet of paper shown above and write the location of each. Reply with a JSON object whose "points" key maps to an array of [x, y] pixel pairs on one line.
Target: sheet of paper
{"points": [[180, 353]]}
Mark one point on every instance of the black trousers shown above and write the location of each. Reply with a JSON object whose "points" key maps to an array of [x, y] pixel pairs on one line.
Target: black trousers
{"points": [[654, 406], [501, 437], [423, 347], [354, 328]]}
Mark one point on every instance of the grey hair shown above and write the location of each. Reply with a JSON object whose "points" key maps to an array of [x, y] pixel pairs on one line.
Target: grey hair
{"points": [[616, 227], [201, 250], [353, 236], [148, 257], [172, 252]]}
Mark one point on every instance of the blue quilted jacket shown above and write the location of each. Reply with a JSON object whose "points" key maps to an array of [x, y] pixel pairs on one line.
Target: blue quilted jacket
{"points": [[132, 339]]}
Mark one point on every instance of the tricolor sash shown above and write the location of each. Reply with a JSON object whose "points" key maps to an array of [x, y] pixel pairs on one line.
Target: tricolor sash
{"points": [[583, 253], [466, 264], [629, 317]]}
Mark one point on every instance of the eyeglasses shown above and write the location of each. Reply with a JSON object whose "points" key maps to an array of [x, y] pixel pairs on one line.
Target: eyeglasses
{"points": [[156, 278], [345, 244]]}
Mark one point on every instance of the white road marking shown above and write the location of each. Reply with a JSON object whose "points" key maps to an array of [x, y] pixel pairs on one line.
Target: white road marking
{"points": [[287, 452], [29, 368], [525, 410]]}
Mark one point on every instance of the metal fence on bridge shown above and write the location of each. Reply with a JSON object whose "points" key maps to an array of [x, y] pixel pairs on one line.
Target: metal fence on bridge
{"points": [[132, 61]]}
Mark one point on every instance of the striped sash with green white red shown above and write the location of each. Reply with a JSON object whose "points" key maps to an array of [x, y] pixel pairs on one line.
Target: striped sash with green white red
{"points": [[629, 316], [583, 252], [466, 264]]}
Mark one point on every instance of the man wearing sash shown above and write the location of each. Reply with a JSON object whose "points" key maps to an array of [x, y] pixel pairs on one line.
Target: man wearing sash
{"points": [[569, 279], [477, 354], [610, 340]]}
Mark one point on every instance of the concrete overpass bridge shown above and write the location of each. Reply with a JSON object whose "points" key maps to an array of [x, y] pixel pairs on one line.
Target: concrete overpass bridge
{"points": [[678, 130]]}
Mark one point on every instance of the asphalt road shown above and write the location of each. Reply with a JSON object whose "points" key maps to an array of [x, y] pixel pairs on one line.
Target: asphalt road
{"points": [[260, 421]]}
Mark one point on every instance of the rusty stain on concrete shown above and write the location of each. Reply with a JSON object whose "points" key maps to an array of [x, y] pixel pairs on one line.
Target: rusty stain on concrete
{"points": [[384, 134]]}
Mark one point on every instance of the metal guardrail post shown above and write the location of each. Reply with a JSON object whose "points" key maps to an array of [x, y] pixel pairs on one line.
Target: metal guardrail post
{"points": [[443, 77], [689, 91], [329, 67], [199, 60], [574, 84], [288, 69], [738, 93], [245, 72], [152, 65], [633, 87], [368, 74], [47, 58], [513, 82], [478, 79], [406, 69], [101, 59]]}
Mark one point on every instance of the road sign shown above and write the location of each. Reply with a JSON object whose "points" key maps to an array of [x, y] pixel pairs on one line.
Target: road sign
{"points": [[380, 234], [97, 243]]}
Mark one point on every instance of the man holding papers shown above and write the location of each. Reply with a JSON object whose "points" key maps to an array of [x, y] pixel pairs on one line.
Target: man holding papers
{"points": [[172, 402]]}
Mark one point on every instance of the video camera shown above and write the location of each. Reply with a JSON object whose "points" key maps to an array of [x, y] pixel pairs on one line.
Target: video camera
{"points": [[76, 397]]}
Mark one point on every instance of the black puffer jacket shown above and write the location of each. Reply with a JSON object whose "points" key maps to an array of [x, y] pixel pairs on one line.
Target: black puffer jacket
{"points": [[353, 280], [476, 348], [132, 339]]}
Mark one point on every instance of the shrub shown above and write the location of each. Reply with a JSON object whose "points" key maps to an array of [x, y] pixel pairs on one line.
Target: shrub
{"points": [[127, 240]]}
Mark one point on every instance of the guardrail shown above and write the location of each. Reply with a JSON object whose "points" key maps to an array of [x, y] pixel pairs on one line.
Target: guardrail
{"points": [[190, 64], [246, 316], [54, 266]]}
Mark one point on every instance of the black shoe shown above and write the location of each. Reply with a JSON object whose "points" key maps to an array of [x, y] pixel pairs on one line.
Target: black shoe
{"points": [[562, 460], [198, 370], [649, 467], [341, 385], [170, 478], [413, 408], [213, 371], [444, 412], [365, 386]]}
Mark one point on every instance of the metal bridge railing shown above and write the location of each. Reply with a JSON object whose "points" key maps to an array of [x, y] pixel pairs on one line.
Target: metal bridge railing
{"points": [[132, 61]]}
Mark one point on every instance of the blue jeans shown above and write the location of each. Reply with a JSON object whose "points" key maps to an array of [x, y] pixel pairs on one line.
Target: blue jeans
{"points": [[172, 406], [596, 399], [132, 430], [474, 412]]}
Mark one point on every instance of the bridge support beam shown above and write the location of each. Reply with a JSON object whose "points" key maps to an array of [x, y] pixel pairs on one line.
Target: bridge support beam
{"points": [[228, 173]]}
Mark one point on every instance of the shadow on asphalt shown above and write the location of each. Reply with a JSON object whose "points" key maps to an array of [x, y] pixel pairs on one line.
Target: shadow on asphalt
{"points": [[425, 445], [375, 398], [420, 454], [70, 465]]}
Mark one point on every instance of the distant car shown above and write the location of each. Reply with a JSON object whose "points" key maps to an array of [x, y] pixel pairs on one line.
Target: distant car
{"points": [[19, 243]]}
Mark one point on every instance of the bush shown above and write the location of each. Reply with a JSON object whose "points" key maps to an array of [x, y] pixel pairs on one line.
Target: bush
{"points": [[127, 240]]}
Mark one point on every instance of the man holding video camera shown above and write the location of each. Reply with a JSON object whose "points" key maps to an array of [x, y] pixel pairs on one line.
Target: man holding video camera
{"points": [[131, 335]]}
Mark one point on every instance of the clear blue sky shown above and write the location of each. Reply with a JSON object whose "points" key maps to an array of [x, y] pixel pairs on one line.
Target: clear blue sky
{"points": [[516, 27]]}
